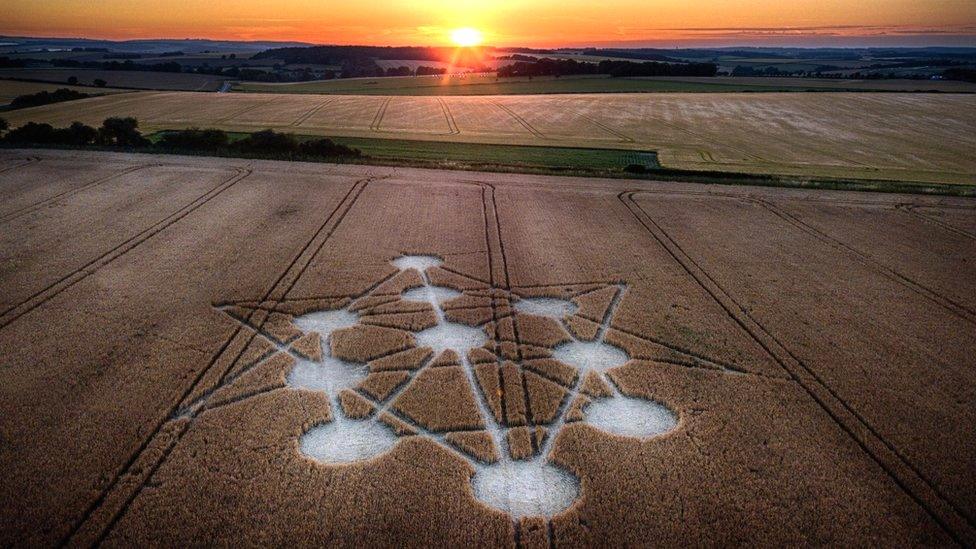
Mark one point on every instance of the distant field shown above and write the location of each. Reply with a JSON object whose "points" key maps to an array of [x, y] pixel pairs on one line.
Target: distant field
{"points": [[484, 84], [51, 55], [775, 83], [488, 84], [9, 89], [909, 137], [121, 79]]}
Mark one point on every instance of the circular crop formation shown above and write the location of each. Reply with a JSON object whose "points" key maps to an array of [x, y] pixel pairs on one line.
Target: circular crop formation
{"points": [[459, 366]]}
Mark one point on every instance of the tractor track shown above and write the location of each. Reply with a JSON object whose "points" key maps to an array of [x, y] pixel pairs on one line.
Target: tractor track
{"points": [[10, 216], [38, 298], [909, 478], [98, 530]]}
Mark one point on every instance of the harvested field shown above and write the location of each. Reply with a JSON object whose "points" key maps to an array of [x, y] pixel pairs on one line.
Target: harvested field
{"points": [[489, 84], [907, 137], [10, 89], [818, 84], [201, 350], [142, 80]]}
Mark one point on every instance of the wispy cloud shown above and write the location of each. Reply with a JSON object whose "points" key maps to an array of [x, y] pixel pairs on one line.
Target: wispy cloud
{"points": [[820, 30]]}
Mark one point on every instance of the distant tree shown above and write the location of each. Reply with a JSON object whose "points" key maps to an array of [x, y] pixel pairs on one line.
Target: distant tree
{"points": [[79, 134], [630, 68], [327, 148], [46, 97], [73, 80], [424, 70], [564, 67], [224, 56], [100, 83], [33, 133], [399, 71], [268, 142], [966, 75], [121, 132], [7, 63], [194, 139], [359, 68], [232, 56], [4, 125], [257, 75]]}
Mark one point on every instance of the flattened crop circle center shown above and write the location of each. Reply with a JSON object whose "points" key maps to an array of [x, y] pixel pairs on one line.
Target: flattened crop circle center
{"points": [[451, 335], [590, 355], [526, 488]]}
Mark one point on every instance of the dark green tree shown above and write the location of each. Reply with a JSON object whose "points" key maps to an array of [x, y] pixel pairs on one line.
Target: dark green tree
{"points": [[121, 132]]}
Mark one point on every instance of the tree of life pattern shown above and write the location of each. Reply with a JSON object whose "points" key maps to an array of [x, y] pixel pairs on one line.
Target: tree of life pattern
{"points": [[489, 374]]}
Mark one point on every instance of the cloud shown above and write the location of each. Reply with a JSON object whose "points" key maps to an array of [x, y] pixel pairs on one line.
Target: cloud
{"points": [[821, 30]]}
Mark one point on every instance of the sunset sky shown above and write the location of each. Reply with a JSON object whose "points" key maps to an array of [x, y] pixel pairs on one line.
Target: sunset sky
{"points": [[507, 22]]}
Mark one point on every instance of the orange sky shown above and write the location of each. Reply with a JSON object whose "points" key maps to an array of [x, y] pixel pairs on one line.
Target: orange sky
{"points": [[504, 22]]}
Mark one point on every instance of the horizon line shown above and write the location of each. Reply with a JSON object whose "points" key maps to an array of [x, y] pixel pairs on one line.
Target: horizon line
{"points": [[764, 38]]}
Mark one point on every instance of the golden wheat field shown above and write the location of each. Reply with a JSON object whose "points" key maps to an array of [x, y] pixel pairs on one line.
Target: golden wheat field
{"points": [[200, 351], [910, 137]]}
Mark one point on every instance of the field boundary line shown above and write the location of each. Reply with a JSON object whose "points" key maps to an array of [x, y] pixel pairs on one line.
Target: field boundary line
{"points": [[903, 473], [96, 534], [380, 114], [959, 309], [25, 162], [303, 118], [70, 192], [451, 122], [523, 122], [910, 210], [11, 314]]}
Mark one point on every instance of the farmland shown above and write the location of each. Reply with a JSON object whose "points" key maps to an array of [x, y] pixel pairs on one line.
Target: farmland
{"points": [[907, 137], [489, 84], [143, 80], [10, 89], [200, 349]]}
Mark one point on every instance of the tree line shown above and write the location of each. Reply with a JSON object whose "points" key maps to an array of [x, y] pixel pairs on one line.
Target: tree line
{"points": [[337, 55], [46, 98], [566, 67], [124, 133], [114, 132]]}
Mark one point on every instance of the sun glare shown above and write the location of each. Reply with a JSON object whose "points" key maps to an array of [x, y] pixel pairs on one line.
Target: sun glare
{"points": [[466, 37]]}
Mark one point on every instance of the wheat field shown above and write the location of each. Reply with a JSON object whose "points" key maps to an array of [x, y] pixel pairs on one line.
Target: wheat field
{"points": [[199, 349], [908, 137]]}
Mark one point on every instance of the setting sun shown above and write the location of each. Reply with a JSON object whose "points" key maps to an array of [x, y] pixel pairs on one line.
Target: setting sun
{"points": [[466, 37]]}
